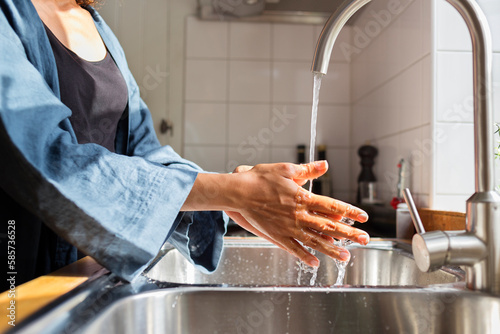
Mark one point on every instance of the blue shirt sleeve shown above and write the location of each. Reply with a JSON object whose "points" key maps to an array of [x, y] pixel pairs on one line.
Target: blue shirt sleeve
{"points": [[118, 208]]}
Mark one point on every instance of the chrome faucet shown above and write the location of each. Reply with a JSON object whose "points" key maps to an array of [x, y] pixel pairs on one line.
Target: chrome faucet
{"points": [[478, 246]]}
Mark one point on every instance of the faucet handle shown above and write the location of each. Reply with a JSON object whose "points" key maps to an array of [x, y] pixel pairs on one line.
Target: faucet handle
{"points": [[425, 258], [415, 217], [434, 249]]}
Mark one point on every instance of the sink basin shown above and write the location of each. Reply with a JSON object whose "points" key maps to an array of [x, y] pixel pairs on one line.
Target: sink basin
{"points": [[255, 290], [255, 262], [301, 310]]}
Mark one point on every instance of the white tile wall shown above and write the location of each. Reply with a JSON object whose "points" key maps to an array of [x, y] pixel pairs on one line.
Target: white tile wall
{"points": [[454, 104], [249, 123], [452, 33], [395, 77], [293, 42], [292, 82], [248, 96], [297, 130], [249, 81], [390, 89], [455, 159], [453, 98], [206, 80], [206, 39], [249, 40], [205, 123]]}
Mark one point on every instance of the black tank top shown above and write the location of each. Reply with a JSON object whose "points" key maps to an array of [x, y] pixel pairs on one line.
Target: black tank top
{"points": [[95, 92]]}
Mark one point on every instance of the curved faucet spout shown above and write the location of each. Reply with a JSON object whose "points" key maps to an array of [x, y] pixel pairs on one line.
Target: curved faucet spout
{"points": [[330, 32]]}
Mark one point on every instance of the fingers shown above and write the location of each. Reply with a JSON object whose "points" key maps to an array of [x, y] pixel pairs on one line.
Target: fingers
{"points": [[314, 240], [309, 171], [296, 249], [288, 244], [329, 206], [335, 229]]}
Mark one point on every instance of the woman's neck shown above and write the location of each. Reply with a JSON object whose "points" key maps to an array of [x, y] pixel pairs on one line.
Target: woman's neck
{"points": [[73, 26]]}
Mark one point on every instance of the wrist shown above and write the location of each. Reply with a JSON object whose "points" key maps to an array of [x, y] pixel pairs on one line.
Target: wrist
{"points": [[211, 192]]}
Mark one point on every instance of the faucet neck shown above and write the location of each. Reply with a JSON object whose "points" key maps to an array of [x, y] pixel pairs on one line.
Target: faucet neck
{"points": [[331, 31], [483, 115]]}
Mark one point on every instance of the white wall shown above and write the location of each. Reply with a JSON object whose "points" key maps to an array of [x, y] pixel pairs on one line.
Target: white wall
{"points": [[391, 93], [248, 95], [412, 94], [454, 164]]}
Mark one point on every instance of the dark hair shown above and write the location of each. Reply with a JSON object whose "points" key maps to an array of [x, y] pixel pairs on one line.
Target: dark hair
{"points": [[87, 2]]}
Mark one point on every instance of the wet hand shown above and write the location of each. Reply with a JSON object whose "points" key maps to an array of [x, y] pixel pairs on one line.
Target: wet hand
{"points": [[274, 206]]}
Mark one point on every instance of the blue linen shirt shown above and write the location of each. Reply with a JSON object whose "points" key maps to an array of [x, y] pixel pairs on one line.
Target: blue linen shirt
{"points": [[118, 207]]}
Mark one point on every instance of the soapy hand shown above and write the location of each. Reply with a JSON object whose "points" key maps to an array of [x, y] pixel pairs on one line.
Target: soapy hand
{"points": [[274, 206]]}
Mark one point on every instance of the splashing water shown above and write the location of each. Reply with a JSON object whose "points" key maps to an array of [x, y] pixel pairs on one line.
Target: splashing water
{"points": [[341, 265]]}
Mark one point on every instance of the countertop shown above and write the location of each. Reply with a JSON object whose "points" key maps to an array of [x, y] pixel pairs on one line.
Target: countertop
{"points": [[39, 292]]}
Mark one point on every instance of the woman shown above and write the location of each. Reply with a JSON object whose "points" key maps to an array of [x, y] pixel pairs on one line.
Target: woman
{"points": [[81, 155]]}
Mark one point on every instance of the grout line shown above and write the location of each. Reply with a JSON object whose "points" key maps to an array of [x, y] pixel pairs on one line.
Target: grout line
{"points": [[331, 147], [204, 145], [287, 103], [261, 60], [454, 194], [394, 134], [383, 83]]}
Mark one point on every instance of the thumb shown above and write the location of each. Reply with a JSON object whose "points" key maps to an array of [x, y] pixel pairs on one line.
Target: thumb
{"points": [[311, 170]]}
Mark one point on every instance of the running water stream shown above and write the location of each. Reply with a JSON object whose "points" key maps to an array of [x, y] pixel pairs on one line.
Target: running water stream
{"points": [[314, 116], [341, 265]]}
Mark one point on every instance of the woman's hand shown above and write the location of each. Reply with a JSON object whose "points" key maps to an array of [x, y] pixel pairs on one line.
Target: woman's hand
{"points": [[268, 201]]}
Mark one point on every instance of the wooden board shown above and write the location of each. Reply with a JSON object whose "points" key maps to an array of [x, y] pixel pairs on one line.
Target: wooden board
{"points": [[442, 220], [35, 294]]}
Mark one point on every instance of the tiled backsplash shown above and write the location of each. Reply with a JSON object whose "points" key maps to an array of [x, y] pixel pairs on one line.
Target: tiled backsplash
{"points": [[391, 89], [412, 94], [454, 163], [248, 95]]}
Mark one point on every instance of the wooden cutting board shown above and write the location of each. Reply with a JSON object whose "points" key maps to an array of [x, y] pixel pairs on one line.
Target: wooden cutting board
{"points": [[37, 293]]}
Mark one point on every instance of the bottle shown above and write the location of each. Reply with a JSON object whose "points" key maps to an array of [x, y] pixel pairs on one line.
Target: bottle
{"points": [[367, 182], [301, 154], [323, 185], [301, 159]]}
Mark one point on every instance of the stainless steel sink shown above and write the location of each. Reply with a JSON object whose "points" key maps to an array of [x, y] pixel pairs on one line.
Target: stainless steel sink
{"points": [[384, 293], [254, 262], [301, 310]]}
